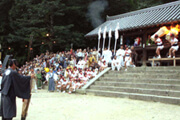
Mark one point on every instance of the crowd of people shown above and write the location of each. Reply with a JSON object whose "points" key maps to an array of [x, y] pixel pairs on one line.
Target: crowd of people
{"points": [[71, 70]]}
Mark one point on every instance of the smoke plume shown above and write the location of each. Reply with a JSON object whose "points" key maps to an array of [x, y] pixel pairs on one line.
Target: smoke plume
{"points": [[94, 12]]}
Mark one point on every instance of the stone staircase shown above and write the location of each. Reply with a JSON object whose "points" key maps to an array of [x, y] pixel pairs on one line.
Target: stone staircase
{"points": [[159, 84]]}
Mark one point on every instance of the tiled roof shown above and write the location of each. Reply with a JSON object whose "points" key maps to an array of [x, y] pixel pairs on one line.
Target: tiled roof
{"points": [[160, 14]]}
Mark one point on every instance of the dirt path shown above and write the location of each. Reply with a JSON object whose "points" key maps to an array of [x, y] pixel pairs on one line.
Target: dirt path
{"points": [[59, 106]]}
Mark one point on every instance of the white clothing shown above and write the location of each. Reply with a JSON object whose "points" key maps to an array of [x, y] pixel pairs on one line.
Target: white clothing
{"points": [[100, 63], [64, 82], [116, 64], [81, 64], [107, 55], [80, 54], [104, 65], [120, 54], [174, 40], [86, 78], [76, 72], [159, 42], [59, 84], [49, 75], [161, 47], [80, 75], [175, 46], [73, 75], [94, 74], [127, 57]]}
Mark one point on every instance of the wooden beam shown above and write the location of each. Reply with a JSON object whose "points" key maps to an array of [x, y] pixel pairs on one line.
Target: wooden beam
{"points": [[144, 49]]}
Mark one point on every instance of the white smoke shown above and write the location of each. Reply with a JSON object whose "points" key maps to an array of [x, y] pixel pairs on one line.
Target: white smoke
{"points": [[94, 12]]}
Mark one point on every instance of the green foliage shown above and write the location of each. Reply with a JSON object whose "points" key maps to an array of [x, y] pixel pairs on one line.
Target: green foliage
{"points": [[65, 21]]}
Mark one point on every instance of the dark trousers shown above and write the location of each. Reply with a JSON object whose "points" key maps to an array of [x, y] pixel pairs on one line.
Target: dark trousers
{"points": [[2, 112], [6, 118]]}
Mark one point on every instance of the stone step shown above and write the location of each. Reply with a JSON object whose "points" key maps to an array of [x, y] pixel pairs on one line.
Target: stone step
{"points": [[166, 76], [158, 80], [137, 85], [171, 93], [149, 69], [145, 97], [145, 71], [156, 68]]}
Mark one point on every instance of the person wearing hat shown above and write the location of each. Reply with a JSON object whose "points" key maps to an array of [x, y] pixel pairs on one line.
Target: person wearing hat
{"points": [[174, 46], [160, 45], [13, 85]]}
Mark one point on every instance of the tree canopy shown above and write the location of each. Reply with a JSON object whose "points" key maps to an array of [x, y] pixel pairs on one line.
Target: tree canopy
{"points": [[34, 26]]}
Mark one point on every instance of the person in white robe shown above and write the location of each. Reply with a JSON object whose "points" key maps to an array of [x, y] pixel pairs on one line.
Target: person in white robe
{"points": [[115, 64], [120, 55]]}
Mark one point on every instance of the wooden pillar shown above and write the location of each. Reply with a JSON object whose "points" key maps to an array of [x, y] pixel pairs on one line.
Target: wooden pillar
{"points": [[144, 48]]}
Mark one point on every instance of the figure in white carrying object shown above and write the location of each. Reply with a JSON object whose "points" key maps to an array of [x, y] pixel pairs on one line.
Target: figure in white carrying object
{"points": [[160, 45], [174, 46]]}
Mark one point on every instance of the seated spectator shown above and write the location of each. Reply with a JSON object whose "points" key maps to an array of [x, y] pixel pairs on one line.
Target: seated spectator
{"points": [[91, 60], [66, 63], [64, 84], [81, 64], [103, 66], [59, 84], [85, 78], [128, 59], [94, 73], [115, 64], [94, 65]]}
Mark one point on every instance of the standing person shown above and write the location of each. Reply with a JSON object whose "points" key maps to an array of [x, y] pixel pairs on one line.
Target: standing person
{"points": [[160, 45], [120, 55], [174, 46], [34, 85], [134, 55], [107, 55], [13, 85], [128, 59], [39, 79], [51, 78]]}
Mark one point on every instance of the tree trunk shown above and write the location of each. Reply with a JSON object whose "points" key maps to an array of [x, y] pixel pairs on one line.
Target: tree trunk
{"points": [[30, 44]]}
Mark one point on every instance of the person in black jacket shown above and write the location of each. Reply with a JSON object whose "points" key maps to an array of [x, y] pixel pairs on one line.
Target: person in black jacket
{"points": [[13, 85]]}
